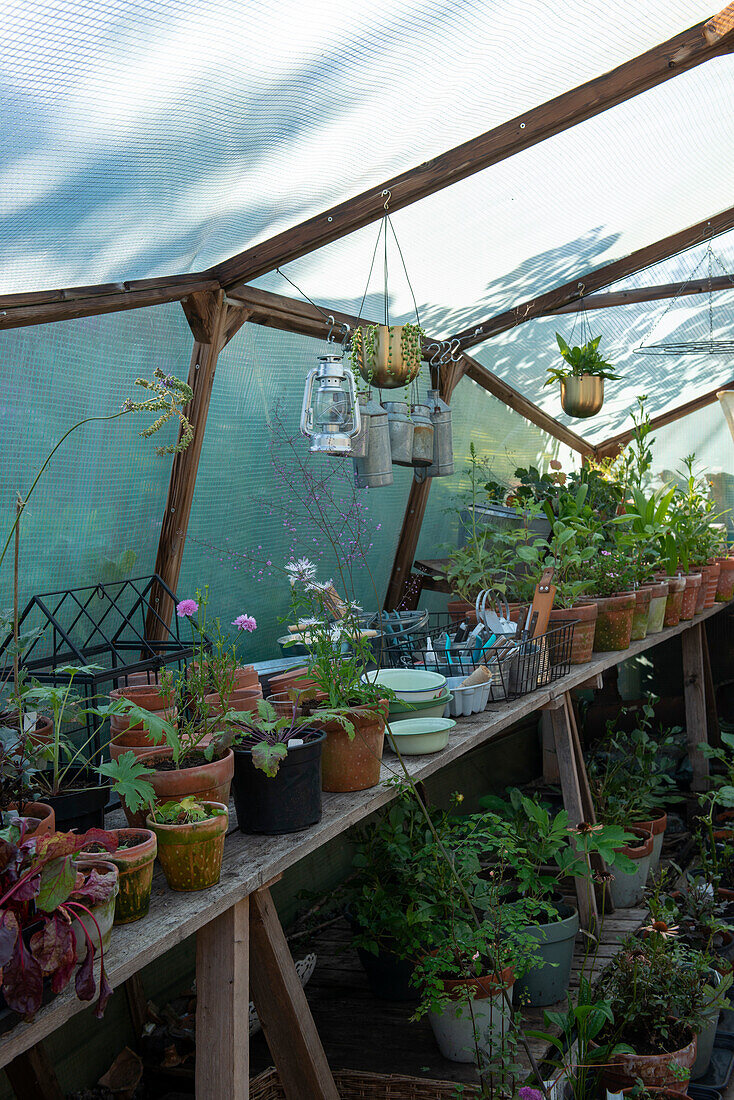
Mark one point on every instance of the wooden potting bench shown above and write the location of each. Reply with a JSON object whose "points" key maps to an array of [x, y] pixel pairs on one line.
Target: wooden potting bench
{"points": [[242, 951]]}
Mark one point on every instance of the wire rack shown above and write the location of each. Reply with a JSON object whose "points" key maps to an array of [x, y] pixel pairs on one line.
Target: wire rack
{"points": [[518, 667]]}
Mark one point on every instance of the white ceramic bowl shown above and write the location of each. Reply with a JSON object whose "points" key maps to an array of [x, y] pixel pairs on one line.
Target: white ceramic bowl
{"points": [[412, 685], [418, 736]]}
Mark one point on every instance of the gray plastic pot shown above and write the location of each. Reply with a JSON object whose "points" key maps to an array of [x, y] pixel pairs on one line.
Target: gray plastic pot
{"points": [[628, 889], [706, 1037], [547, 982]]}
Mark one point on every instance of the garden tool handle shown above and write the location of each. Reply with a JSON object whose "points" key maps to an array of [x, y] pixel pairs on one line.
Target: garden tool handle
{"points": [[543, 598]]}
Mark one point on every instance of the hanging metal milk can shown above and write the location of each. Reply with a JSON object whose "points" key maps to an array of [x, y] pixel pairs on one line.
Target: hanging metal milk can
{"points": [[401, 432], [375, 469], [422, 435], [443, 444]]}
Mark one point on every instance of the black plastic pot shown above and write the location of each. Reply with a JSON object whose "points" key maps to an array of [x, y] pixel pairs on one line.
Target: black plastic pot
{"points": [[388, 976], [288, 802], [81, 804]]}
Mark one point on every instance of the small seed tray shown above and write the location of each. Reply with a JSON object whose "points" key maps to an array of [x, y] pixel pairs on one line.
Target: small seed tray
{"points": [[469, 699], [722, 1063]]}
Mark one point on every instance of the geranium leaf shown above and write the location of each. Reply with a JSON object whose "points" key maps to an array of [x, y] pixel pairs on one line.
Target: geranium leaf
{"points": [[53, 946]]}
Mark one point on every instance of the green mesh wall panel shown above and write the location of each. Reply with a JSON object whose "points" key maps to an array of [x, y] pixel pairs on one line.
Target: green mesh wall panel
{"points": [[96, 512]]}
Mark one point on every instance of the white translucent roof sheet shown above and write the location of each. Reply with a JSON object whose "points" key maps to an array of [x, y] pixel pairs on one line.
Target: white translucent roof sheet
{"points": [[149, 139], [523, 354]]}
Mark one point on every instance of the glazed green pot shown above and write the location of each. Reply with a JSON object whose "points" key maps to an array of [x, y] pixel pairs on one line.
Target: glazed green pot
{"points": [[135, 866], [658, 600], [640, 616], [614, 622], [547, 982], [191, 855]]}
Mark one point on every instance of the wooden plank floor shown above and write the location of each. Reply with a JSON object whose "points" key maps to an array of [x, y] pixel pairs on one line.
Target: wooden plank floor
{"points": [[361, 1032]]}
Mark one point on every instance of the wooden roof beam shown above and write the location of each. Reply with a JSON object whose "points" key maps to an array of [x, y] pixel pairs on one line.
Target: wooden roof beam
{"points": [[551, 301], [679, 54], [646, 294], [612, 446]]}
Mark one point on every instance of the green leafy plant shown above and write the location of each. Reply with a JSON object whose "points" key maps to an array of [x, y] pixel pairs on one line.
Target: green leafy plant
{"points": [[268, 734], [188, 811], [129, 781], [581, 360]]}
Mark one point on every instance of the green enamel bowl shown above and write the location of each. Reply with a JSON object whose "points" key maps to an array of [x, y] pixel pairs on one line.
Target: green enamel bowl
{"points": [[429, 708], [418, 736]]}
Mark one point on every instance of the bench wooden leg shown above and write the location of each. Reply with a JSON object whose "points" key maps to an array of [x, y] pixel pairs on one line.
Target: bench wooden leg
{"points": [[32, 1077], [571, 787], [283, 1009], [693, 688], [222, 1006]]}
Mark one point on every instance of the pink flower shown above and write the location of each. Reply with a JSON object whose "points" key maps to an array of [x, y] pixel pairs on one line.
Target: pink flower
{"points": [[186, 609], [245, 622]]}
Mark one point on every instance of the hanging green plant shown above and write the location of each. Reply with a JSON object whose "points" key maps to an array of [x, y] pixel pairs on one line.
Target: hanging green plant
{"points": [[582, 381], [387, 356]]}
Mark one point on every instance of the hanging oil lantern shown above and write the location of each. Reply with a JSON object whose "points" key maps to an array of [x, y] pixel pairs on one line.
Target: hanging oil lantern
{"points": [[422, 436], [443, 444], [330, 414], [375, 469]]}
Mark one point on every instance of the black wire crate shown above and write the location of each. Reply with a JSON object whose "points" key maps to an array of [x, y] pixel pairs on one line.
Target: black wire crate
{"points": [[517, 666]]}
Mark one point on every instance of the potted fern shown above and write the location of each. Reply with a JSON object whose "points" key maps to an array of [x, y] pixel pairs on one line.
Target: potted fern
{"points": [[582, 379]]}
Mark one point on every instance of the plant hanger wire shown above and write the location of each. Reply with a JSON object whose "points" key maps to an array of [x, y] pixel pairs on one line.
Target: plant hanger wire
{"points": [[709, 346]]}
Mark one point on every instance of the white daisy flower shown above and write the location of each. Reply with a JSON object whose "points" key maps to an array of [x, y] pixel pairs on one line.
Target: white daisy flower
{"points": [[302, 570]]}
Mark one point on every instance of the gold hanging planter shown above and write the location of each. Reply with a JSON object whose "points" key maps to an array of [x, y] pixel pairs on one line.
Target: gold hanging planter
{"points": [[387, 356], [582, 395]]}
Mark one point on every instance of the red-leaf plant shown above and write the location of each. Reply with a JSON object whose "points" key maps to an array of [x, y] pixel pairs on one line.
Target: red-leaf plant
{"points": [[42, 891]]}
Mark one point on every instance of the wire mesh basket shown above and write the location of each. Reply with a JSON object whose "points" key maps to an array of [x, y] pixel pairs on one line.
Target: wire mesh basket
{"points": [[516, 666]]}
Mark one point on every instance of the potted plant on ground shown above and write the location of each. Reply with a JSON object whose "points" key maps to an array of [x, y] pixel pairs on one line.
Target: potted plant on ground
{"points": [[190, 841], [55, 917], [657, 992], [540, 850], [582, 379]]}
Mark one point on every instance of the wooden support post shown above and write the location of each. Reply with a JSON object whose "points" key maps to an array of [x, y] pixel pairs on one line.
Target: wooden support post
{"points": [[415, 510], [136, 1006], [548, 742], [207, 314], [712, 715], [283, 1009], [32, 1076], [572, 801], [223, 1006], [693, 688]]}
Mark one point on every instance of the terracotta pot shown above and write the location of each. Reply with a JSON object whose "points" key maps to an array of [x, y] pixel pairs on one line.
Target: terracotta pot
{"points": [[614, 622], [658, 600], [206, 782], [640, 616], [147, 696], [725, 583], [135, 866], [690, 596], [297, 678], [354, 765], [674, 603], [44, 815], [484, 985], [651, 1069], [242, 699], [701, 598], [584, 614], [191, 855], [657, 829], [460, 610], [713, 573], [43, 734], [117, 750]]}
